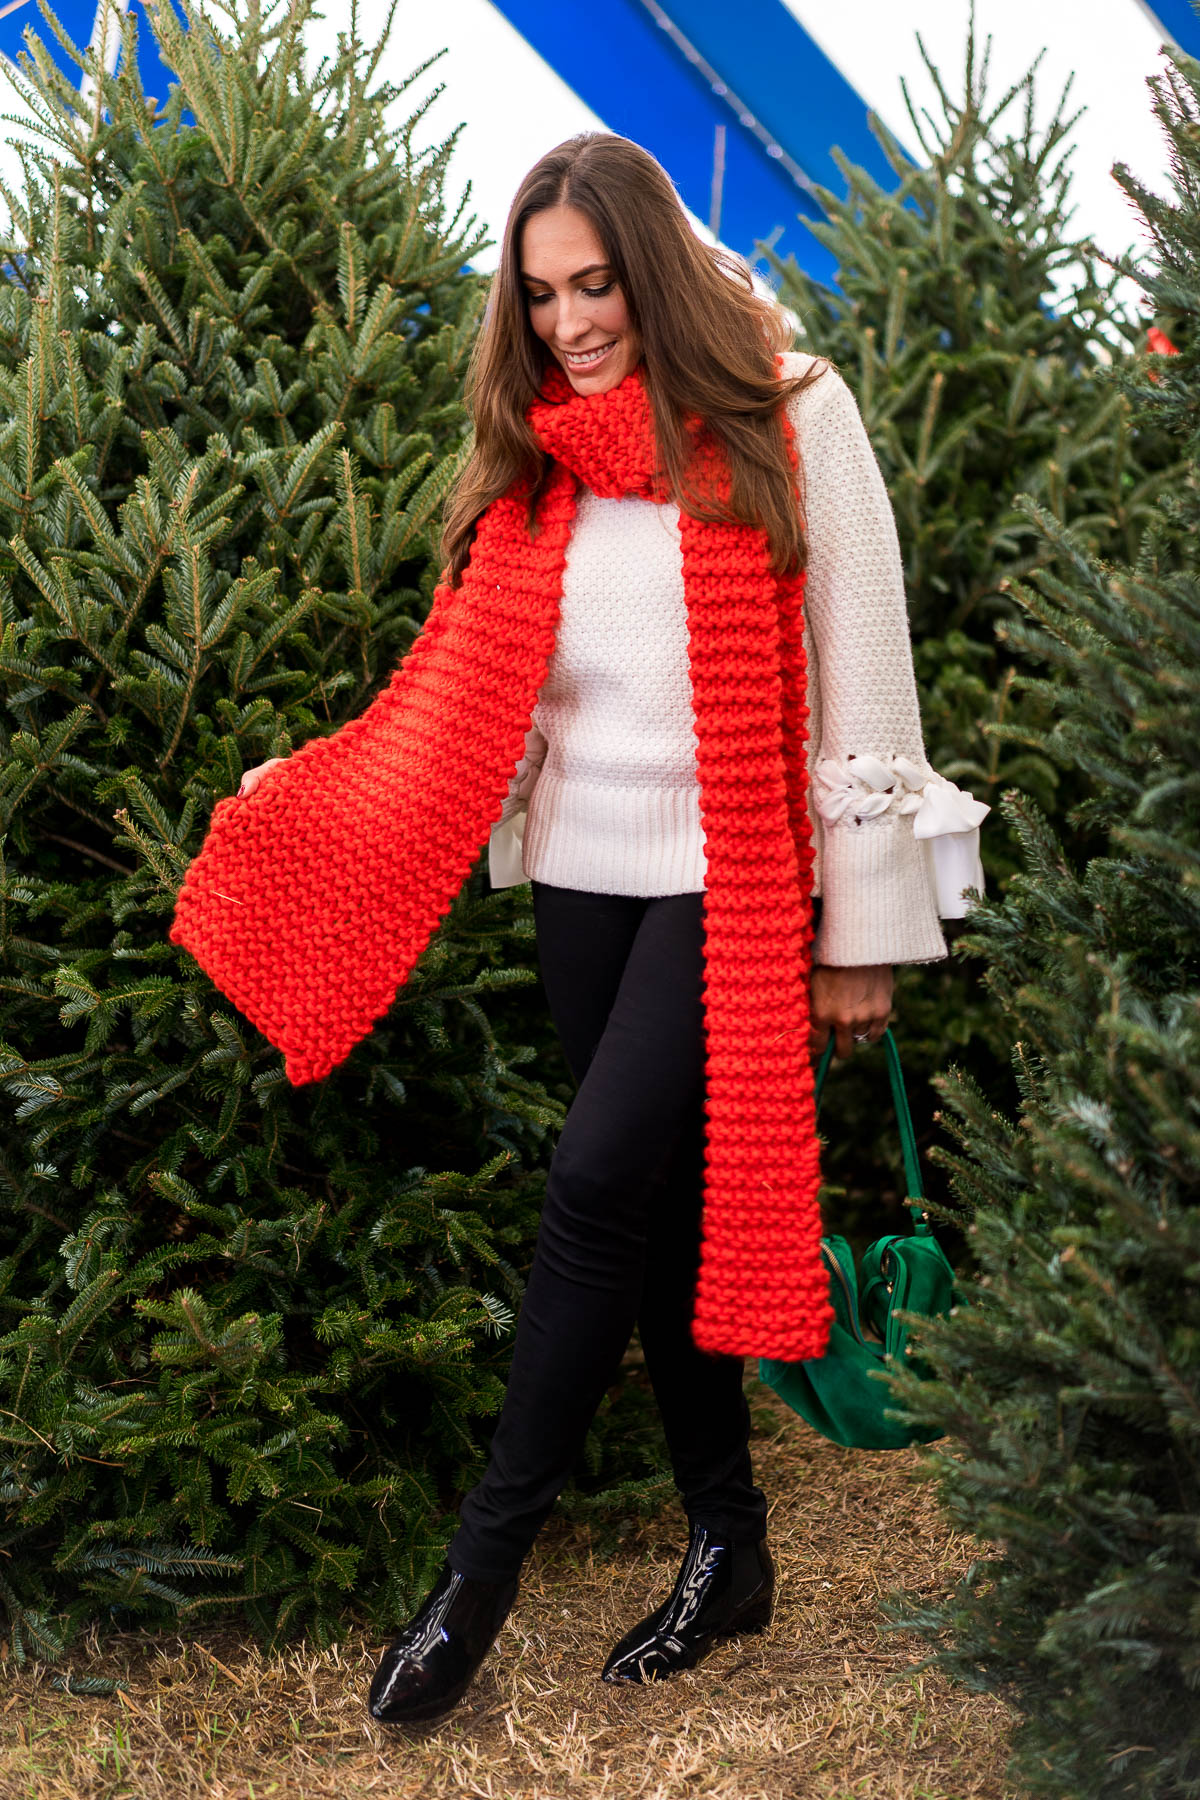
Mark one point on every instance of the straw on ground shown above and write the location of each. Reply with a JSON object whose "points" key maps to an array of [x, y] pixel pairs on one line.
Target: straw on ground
{"points": [[821, 1707]]}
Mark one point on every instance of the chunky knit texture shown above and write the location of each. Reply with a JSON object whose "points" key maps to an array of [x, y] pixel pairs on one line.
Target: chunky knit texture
{"points": [[615, 807], [606, 795], [312, 899]]}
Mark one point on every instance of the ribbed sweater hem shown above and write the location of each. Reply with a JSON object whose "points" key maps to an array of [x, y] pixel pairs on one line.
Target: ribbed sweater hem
{"points": [[614, 840]]}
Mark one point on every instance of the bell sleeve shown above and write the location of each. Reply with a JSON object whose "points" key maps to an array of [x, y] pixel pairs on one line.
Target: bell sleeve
{"points": [[506, 842], [897, 843]]}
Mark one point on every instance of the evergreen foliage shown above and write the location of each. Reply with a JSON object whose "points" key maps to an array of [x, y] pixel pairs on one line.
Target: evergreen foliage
{"points": [[975, 331], [247, 1333], [1070, 1386]]}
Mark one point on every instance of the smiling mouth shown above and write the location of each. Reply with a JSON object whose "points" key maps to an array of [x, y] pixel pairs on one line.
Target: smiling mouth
{"points": [[588, 357]]}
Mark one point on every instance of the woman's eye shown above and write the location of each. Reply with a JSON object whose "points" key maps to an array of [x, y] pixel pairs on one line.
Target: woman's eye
{"points": [[597, 293]]}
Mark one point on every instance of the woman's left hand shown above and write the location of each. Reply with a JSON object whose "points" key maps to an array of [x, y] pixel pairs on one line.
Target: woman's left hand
{"points": [[848, 1002]]}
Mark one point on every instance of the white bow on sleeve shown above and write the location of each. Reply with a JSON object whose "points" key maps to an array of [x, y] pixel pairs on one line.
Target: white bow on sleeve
{"points": [[946, 818]]}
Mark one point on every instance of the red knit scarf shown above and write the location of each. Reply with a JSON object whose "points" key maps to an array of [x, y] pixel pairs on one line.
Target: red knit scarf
{"points": [[312, 899]]}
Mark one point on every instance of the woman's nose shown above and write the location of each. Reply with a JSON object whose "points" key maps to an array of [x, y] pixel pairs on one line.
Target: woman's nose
{"points": [[572, 322]]}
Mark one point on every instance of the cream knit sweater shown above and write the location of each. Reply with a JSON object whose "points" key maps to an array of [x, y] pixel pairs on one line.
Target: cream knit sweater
{"points": [[606, 795]]}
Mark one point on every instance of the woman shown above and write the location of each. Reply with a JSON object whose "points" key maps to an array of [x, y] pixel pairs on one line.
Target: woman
{"points": [[607, 312]]}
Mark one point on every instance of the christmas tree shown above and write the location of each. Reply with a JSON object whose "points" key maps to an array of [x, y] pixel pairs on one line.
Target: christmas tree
{"points": [[250, 1336], [975, 331], [1070, 1385]]}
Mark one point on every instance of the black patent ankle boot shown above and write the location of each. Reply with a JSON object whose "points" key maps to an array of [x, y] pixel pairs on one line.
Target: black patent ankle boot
{"points": [[722, 1590], [429, 1665]]}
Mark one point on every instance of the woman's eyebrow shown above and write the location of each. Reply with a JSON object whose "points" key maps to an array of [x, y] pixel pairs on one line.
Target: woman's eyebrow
{"points": [[579, 274]]}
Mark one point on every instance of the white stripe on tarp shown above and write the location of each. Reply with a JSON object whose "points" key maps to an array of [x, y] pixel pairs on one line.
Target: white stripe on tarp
{"points": [[1110, 46], [106, 40], [513, 106]]}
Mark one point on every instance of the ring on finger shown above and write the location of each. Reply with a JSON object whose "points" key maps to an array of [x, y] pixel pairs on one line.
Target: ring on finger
{"points": [[862, 1037]]}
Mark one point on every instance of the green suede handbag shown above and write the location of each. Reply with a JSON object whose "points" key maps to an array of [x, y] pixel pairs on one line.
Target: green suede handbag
{"points": [[844, 1394]]}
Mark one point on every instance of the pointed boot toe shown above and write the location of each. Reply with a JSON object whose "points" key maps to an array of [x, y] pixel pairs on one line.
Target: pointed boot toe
{"points": [[428, 1666], [722, 1590]]}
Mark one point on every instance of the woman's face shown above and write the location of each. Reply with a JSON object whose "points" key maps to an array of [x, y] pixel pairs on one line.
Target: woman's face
{"points": [[575, 304]]}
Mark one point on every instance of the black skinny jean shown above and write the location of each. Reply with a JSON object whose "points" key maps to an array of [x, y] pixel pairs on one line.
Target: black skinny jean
{"points": [[619, 1239]]}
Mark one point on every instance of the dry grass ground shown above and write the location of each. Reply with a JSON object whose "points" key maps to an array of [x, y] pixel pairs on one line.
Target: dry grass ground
{"points": [[819, 1708]]}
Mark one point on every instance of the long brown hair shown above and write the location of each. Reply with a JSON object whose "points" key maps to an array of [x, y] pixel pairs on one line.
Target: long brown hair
{"points": [[720, 366]]}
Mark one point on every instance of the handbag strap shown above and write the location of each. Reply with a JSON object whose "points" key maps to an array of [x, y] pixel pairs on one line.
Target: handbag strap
{"points": [[908, 1136]]}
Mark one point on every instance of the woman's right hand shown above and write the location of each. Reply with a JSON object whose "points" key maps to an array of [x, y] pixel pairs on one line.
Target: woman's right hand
{"points": [[252, 777]]}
